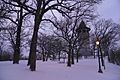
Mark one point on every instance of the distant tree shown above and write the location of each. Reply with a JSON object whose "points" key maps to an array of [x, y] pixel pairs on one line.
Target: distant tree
{"points": [[4, 15], [115, 56], [42, 46], [19, 16], [50, 46], [108, 34], [5, 54]]}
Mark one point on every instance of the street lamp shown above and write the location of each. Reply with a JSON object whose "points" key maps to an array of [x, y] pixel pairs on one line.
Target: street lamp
{"points": [[98, 43]]}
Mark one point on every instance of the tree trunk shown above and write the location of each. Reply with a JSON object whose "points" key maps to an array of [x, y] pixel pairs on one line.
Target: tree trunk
{"points": [[32, 54], [72, 56], [69, 57], [59, 56], [33, 45], [16, 55], [77, 54], [47, 56], [77, 57], [43, 58]]}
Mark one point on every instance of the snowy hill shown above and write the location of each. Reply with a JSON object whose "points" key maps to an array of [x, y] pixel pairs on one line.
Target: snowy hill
{"points": [[84, 70]]}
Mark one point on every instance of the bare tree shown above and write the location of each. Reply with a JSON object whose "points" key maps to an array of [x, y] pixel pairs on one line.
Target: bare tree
{"points": [[108, 34], [19, 15], [50, 46], [72, 34]]}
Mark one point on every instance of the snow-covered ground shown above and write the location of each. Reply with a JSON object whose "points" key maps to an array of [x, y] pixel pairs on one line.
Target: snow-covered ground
{"points": [[86, 69]]}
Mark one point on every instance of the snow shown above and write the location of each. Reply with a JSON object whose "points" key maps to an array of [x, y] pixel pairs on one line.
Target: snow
{"points": [[86, 69]]}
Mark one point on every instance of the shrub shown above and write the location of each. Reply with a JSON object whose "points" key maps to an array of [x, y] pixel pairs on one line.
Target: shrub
{"points": [[115, 57]]}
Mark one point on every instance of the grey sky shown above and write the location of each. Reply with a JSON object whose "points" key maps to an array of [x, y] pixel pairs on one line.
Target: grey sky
{"points": [[110, 9]]}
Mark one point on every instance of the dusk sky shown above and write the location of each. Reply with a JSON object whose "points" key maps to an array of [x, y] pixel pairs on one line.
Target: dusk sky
{"points": [[110, 9]]}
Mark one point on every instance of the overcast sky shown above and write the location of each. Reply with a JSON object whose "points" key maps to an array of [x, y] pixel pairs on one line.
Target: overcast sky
{"points": [[110, 9]]}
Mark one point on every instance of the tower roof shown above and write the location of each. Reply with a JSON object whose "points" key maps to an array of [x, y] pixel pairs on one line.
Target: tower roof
{"points": [[82, 26]]}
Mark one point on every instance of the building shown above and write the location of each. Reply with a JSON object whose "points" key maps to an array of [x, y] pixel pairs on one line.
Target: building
{"points": [[83, 39]]}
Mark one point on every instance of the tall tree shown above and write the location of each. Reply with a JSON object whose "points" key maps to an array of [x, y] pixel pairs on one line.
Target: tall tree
{"points": [[42, 7], [20, 15], [18, 39]]}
